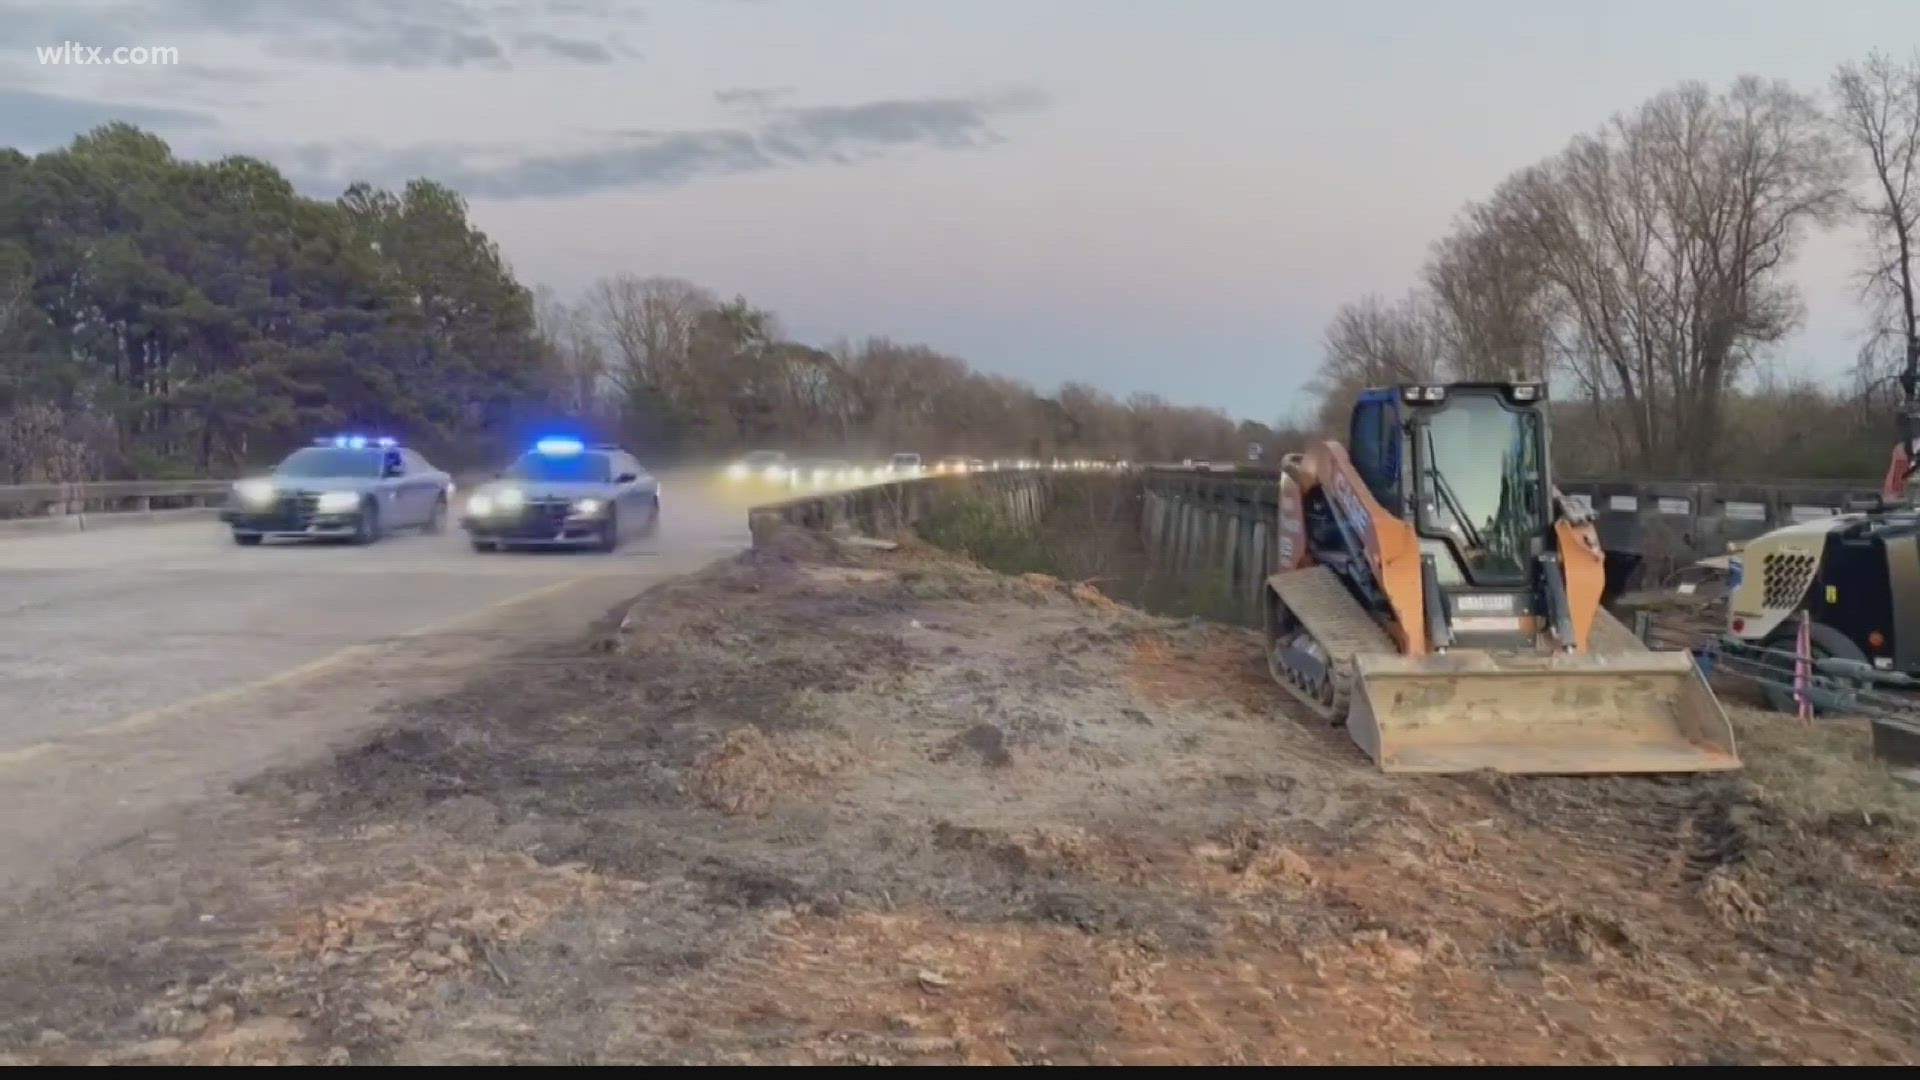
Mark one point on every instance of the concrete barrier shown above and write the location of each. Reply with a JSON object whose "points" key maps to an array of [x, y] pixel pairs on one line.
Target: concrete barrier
{"points": [[885, 509]]}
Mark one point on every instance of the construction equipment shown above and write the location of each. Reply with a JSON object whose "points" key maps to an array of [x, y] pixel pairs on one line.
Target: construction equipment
{"points": [[1436, 593], [1856, 578]]}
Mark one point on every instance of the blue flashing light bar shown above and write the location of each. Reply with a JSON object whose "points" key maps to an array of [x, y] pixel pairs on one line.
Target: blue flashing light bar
{"points": [[559, 447], [357, 442]]}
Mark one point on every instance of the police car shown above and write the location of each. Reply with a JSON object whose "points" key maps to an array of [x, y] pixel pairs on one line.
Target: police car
{"points": [[565, 493], [348, 487]]}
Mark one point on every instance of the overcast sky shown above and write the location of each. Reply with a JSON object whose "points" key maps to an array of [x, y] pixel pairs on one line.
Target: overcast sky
{"points": [[1159, 196]]}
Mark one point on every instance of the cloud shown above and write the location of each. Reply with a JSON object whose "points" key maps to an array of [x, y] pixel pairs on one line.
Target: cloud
{"points": [[32, 121], [751, 96], [832, 134], [365, 33], [587, 52]]}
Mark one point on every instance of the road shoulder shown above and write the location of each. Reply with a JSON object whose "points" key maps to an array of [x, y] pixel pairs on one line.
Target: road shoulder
{"points": [[64, 798]]}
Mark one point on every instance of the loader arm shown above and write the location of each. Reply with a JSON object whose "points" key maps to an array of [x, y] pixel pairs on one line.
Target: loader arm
{"points": [[1382, 547], [1583, 567]]}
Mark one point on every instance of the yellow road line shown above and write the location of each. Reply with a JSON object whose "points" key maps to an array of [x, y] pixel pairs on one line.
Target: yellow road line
{"points": [[149, 717]]}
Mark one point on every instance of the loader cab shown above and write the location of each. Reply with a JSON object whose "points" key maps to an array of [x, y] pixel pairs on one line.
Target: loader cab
{"points": [[1376, 446], [1466, 465], [1481, 496]]}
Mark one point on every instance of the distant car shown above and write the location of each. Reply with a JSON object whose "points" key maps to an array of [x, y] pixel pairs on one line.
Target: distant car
{"points": [[348, 487], [818, 473], [904, 465], [770, 465], [871, 471], [565, 493]]}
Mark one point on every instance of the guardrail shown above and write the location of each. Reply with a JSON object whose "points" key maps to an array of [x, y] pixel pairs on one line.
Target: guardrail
{"points": [[55, 507]]}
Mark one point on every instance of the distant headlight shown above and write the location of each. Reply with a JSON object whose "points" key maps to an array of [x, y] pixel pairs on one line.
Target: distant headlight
{"points": [[587, 507], [738, 472], [338, 502], [254, 492], [776, 472]]}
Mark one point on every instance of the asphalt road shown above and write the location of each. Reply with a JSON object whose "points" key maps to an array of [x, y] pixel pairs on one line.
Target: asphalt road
{"points": [[142, 667]]}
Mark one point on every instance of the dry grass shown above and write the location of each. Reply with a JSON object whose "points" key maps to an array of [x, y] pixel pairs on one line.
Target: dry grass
{"points": [[1821, 772]]}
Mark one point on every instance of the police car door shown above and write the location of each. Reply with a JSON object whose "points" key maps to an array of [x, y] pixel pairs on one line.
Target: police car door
{"points": [[401, 507], [626, 478], [423, 484]]}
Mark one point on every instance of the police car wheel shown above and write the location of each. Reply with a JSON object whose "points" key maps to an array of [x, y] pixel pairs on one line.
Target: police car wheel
{"points": [[247, 539], [610, 532], [367, 530], [484, 546], [653, 518], [437, 524]]}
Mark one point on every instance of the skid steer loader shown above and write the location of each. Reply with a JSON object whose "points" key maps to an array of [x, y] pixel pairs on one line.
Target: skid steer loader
{"points": [[1434, 593]]}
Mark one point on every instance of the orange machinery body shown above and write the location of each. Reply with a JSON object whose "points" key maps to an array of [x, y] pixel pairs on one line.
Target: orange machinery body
{"points": [[1391, 547]]}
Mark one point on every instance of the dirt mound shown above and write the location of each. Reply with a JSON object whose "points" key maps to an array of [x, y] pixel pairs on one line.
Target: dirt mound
{"points": [[883, 806], [749, 771]]}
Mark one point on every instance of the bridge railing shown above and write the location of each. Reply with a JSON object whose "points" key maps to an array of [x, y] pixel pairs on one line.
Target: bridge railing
{"points": [[1673, 519]]}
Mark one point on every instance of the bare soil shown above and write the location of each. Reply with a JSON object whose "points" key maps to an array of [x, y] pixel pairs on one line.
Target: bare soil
{"points": [[823, 806]]}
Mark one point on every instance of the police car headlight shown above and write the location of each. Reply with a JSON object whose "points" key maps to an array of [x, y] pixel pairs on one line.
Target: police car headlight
{"points": [[338, 502], [480, 506], [588, 507], [254, 492]]}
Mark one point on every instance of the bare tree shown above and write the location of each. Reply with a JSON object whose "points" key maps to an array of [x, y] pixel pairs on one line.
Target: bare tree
{"points": [[651, 323], [39, 444], [1495, 305], [579, 355], [1879, 113], [1665, 235], [1376, 342]]}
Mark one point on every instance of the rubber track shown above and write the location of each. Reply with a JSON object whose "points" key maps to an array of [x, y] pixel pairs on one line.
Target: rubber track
{"points": [[1334, 619]]}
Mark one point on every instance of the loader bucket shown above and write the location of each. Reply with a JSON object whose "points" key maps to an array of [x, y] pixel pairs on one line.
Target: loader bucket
{"points": [[1632, 712]]}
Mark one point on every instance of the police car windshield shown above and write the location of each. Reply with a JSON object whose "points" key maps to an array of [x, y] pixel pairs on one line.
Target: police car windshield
{"points": [[562, 468], [331, 461]]}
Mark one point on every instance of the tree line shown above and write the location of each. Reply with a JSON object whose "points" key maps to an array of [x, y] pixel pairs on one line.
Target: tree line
{"points": [[162, 317], [678, 369], [1641, 272]]}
